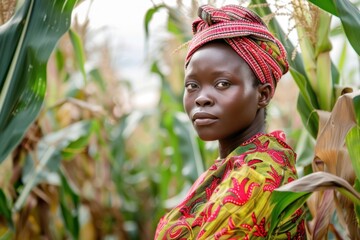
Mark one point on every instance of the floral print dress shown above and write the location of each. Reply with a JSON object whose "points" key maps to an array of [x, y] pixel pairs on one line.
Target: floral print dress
{"points": [[231, 199]]}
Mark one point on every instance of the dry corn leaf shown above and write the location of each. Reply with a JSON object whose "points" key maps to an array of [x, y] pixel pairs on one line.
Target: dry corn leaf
{"points": [[323, 217], [320, 181], [331, 137], [332, 156]]}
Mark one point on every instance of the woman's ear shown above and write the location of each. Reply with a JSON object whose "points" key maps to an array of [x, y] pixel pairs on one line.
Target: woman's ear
{"points": [[264, 95]]}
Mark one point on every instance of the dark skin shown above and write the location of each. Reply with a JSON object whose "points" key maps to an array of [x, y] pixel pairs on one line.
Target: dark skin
{"points": [[223, 98]]}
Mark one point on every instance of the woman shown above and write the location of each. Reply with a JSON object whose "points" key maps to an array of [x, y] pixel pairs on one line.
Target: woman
{"points": [[232, 68]]}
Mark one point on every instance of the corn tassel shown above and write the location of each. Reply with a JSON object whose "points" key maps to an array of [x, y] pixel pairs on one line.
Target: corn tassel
{"points": [[302, 18]]}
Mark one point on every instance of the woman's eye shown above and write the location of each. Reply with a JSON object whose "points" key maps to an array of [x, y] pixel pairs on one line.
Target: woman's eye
{"points": [[223, 85], [190, 86]]}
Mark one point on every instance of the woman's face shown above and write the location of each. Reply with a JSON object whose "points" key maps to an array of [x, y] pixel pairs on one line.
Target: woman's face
{"points": [[220, 96]]}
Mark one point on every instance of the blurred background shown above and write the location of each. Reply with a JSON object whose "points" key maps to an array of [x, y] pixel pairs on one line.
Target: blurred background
{"points": [[125, 151]]}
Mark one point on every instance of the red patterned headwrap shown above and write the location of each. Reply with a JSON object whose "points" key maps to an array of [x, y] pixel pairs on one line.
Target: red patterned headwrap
{"points": [[247, 34]]}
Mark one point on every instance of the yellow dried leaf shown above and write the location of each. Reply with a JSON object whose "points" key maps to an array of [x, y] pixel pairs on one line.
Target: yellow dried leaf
{"points": [[331, 137]]}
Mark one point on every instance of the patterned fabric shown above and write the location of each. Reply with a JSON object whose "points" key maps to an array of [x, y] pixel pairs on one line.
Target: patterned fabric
{"points": [[231, 199], [247, 34]]}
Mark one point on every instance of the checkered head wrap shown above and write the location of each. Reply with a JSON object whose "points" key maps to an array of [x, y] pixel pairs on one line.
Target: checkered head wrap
{"points": [[247, 34]]}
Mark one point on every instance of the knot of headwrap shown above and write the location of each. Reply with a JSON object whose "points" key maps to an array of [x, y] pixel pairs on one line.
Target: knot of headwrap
{"points": [[247, 34]]}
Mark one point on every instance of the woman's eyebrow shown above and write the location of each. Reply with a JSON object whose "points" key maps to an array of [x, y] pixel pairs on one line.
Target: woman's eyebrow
{"points": [[221, 72]]}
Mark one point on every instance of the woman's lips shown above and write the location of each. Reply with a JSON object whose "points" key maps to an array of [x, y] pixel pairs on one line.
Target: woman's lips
{"points": [[203, 118]]}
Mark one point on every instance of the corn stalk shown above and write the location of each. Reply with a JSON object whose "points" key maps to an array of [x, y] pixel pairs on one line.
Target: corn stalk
{"points": [[313, 26]]}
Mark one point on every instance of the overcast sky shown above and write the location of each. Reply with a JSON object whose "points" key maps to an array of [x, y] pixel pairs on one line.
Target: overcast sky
{"points": [[122, 24]]}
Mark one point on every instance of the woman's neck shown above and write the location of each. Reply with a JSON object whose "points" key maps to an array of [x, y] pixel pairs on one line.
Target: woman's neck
{"points": [[226, 146]]}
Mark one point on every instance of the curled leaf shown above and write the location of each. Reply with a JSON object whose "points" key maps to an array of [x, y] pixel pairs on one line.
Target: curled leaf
{"points": [[319, 181]]}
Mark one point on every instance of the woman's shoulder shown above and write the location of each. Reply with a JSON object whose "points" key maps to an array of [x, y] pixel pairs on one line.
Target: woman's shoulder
{"points": [[263, 142], [268, 155]]}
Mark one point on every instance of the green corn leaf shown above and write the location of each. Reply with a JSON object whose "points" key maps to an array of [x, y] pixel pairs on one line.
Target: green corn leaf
{"points": [[60, 60], [342, 58], [96, 75], [5, 209], [79, 52], [353, 139], [304, 149], [82, 140], [335, 75], [308, 116], [69, 204], [349, 16], [305, 89], [148, 17], [353, 146], [291, 196], [173, 27], [168, 98], [71, 140], [356, 102], [328, 6], [286, 203], [26, 42], [119, 142]]}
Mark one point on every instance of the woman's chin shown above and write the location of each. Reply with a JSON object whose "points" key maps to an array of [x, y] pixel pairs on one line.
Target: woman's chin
{"points": [[206, 137]]}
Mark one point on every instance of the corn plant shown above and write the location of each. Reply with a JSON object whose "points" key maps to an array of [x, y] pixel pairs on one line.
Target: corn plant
{"points": [[318, 81]]}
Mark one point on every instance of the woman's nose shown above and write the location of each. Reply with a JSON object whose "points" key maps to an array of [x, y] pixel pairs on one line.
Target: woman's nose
{"points": [[203, 101]]}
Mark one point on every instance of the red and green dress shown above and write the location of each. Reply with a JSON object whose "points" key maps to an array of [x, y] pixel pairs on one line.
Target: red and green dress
{"points": [[231, 199]]}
